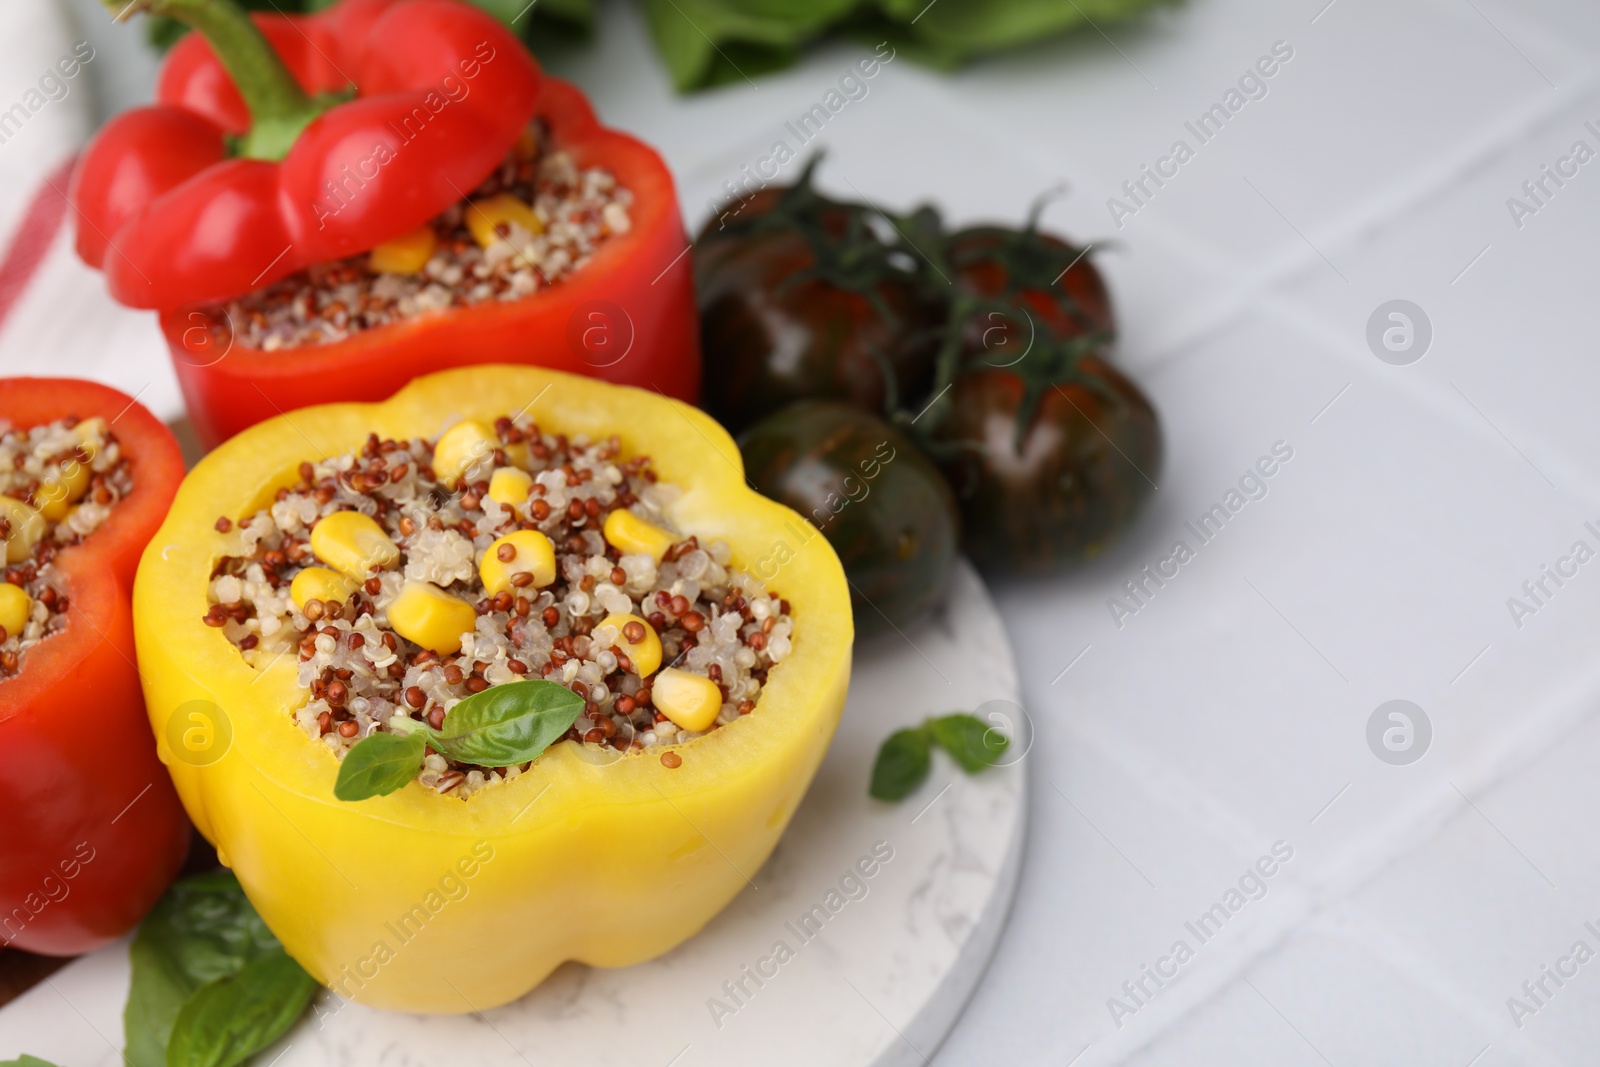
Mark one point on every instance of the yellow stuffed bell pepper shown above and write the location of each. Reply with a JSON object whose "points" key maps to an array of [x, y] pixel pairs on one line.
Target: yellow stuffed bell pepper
{"points": [[432, 903]]}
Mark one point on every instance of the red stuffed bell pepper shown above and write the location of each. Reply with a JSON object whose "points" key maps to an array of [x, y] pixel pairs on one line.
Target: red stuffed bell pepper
{"points": [[93, 830], [349, 199]]}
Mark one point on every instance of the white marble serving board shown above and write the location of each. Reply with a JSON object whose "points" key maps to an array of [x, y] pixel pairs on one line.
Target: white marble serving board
{"points": [[879, 985]]}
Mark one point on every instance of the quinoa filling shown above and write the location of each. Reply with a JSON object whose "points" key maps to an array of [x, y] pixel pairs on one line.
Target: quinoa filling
{"points": [[489, 555], [534, 221], [58, 483]]}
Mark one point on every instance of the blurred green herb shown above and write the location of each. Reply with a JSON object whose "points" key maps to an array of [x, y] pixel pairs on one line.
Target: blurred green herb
{"points": [[972, 742], [561, 19], [713, 42], [902, 764], [906, 756], [200, 956]]}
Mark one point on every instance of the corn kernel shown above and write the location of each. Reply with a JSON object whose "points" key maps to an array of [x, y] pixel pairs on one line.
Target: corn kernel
{"points": [[22, 527], [406, 254], [461, 448], [353, 544], [531, 551], [15, 608], [486, 216], [518, 454], [91, 434], [61, 488], [320, 583], [432, 618], [509, 486], [645, 653], [631, 535], [690, 700]]}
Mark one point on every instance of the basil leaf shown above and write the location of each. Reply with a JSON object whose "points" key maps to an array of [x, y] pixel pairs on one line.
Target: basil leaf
{"points": [[507, 724], [974, 744], [201, 929], [902, 764], [379, 764], [699, 38], [972, 26], [231, 1019], [26, 1060], [709, 42]]}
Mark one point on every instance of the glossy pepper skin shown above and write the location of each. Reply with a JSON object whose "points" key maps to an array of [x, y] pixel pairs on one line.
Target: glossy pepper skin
{"points": [[334, 879], [93, 830], [172, 217], [627, 316]]}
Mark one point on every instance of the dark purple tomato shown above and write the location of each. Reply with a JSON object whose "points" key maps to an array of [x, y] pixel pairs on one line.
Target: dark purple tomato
{"points": [[881, 503], [1049, 474], [802, 298], [1056, 282]]}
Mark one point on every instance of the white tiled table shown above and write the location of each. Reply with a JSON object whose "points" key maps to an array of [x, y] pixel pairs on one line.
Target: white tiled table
{"points": [[1230, 713]]}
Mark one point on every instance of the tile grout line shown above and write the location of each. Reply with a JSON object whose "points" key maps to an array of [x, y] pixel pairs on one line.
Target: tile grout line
{"points": [[1571, 481], [1421, 828], [1362, 220]]}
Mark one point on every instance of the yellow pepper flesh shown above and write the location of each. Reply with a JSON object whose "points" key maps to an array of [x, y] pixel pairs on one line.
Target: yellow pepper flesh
{"points": [[429, 903]]}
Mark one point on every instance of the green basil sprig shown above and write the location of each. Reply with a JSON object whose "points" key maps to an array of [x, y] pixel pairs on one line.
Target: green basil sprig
{"points": [[715, 42], [503, 726], [902, 763], [379, 764], [26, 1060], [227, 1021], [906, 756], [211, 986], [972, 742]]}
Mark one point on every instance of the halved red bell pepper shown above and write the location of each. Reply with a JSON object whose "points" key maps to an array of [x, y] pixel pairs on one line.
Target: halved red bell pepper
{"points": [[627, 316], [93, 829], [177, 225], [203, 198]]}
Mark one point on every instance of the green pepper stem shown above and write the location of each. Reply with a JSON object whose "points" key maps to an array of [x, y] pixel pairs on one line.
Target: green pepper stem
{"points": [[279, 108]]}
